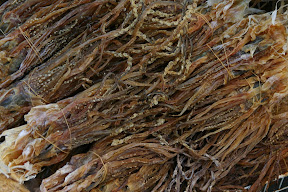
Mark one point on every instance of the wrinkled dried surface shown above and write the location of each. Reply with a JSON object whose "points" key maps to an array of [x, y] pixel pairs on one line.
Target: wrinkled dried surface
{"points": [[7, 184], [173, 95]]}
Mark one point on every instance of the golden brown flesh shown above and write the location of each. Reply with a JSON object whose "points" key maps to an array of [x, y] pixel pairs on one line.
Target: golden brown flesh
{"points": [[173, 95]]}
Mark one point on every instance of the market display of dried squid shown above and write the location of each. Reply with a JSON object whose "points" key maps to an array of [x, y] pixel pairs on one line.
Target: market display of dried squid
{"points": [[143, 95]]}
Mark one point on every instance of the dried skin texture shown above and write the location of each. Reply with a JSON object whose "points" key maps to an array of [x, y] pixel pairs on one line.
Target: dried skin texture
{"points": [[15, 103], [178, 96], [7, 184], [34, 36], [145, 164], [70, 57]]}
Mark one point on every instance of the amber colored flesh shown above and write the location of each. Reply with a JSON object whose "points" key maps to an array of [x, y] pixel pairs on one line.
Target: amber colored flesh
{"points": [[171, 95]]}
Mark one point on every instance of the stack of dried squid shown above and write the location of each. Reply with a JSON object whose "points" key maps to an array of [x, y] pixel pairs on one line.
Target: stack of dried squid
{"points": [[169, 95]]}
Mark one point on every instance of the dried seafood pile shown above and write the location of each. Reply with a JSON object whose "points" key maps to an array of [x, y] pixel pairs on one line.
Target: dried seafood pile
{"points": [[169, 95]]}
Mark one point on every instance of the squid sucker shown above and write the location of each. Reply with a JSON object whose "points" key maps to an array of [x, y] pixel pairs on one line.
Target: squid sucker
{"points": [[143, 95]]}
